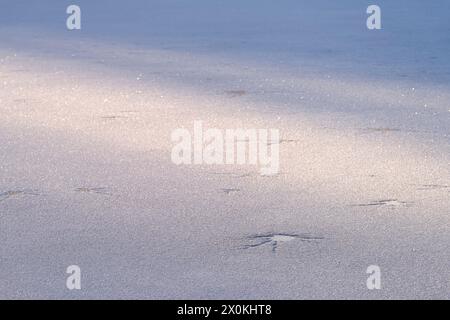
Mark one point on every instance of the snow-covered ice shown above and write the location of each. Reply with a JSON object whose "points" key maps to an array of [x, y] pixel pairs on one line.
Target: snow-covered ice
{"points": [[86, 177]]}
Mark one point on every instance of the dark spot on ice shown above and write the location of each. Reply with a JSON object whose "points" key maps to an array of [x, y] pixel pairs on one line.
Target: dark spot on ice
{"points": [[233, 174], [102, 190], [274, 239], [113, 117], [282, 141], [235, 93], [275, 175], [14, 193], [392, 203]]}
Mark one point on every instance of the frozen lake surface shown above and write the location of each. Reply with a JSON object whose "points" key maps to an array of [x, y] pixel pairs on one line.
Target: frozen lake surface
{"points": [[85, 171]]}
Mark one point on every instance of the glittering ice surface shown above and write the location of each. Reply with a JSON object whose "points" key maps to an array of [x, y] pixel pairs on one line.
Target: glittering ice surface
{"points": [[86, 177]]}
